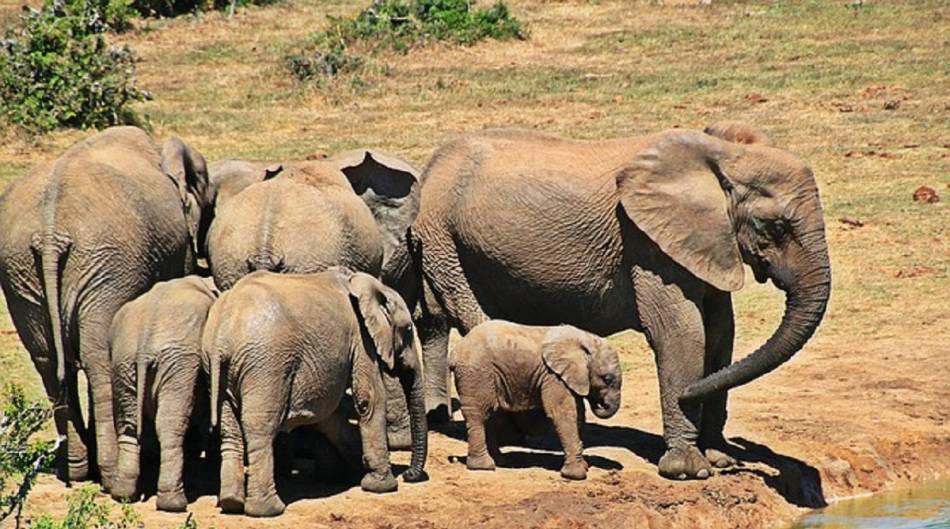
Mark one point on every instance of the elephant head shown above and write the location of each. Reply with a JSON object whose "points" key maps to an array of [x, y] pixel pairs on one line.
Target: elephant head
{"points": [[712, 204], [187, 168], [391, 189], [587, 365], [388, 322]]}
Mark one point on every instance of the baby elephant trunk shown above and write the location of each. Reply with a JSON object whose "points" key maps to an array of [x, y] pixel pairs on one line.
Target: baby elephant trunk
{"points": [[414, 388], [608, 406]]}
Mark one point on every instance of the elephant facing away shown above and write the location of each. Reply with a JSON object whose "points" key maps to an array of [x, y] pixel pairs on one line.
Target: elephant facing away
{"points": [[83, 235], [282, 348], [505, 367], [304, 217], [155, 343], [646, 233]]}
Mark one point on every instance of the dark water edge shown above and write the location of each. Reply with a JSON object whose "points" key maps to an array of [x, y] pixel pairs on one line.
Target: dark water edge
{"points": [[924, 506]]}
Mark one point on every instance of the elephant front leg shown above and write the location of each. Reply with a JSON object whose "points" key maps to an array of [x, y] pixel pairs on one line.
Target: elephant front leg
{"points": [[720, 335], [674, 328], [368, 398], [566, 412], [231, 494]]}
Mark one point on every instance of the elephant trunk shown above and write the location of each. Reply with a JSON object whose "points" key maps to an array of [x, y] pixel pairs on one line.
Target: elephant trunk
{"points": [[414, 388], [807, 291]]}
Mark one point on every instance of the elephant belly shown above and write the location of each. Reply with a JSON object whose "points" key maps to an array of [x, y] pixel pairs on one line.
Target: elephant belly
{"points": [[552, 255]]}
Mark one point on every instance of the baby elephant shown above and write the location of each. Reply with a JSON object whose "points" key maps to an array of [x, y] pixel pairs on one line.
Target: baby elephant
{"points": [[155, 343], [503, 366], [283, 350]]}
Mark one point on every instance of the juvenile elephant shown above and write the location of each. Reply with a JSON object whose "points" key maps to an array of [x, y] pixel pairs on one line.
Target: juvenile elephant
{"points": [[81, 236], [503, 366], [155, 343], [282, 348], [304, 217], [646, 233]]}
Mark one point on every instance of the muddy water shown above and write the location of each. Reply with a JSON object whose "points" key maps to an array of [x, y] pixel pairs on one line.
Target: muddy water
{"points": [[926, 506]]}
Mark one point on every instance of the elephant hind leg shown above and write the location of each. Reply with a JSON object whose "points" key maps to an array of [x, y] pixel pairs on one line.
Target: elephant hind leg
{"points": [[231, 493], [262, 410], [94, 351], [172, 417]]}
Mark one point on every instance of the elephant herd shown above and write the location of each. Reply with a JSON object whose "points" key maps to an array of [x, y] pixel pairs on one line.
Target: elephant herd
{"points": [[244, 299]]}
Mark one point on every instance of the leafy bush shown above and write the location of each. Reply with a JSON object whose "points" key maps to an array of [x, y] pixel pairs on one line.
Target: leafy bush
{"points": [[400, 25], [58, 71], [21, 460]]}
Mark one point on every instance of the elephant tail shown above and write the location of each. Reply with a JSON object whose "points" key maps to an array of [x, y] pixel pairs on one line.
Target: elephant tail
{"points": [[265, 261], [51, 250], [141, 374], [215, 385]]}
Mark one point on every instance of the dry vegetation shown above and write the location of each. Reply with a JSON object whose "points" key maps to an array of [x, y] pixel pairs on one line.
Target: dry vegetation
{"points": [[861, 92]]}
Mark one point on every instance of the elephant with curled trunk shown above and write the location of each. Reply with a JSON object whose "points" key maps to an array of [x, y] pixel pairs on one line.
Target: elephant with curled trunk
{"points": [[282, 350], [157, 380], [351, 210], [647, 233], [82, 235]]}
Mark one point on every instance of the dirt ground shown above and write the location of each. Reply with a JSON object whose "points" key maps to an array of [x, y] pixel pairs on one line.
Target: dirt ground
{"points": [[857, 89]]}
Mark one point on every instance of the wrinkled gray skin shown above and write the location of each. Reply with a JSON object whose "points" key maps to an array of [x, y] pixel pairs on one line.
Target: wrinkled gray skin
{"points": [[647, 233], [507, 367], [83, 235], [352, 210], [155, 343], [282, 348]]}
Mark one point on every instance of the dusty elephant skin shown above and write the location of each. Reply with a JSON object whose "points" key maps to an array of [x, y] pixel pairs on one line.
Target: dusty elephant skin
{"points": [[282, 348], [502, 366], [352, 210], [647, 234], [155, 342], [82, 236]]}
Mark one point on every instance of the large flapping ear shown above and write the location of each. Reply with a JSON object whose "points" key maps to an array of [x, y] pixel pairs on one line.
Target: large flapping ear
{"points": [[375, 313], [187, 166], [737, 132], [389, 186], [564, 354], [675, 191], [232, 175]]}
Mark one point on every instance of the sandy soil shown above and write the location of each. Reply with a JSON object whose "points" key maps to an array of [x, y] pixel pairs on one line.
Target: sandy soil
{"points": [[839, 420]]}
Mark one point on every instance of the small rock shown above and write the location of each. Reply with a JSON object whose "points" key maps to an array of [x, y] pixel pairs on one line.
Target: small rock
{"points": [[893, 104], [838, 468], [848, 221], [926, 195], [318, 155], [756, 98]]}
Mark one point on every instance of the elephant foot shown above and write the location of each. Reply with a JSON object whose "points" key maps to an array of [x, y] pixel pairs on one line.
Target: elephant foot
{"points": [[719, 459], [379, 483], [73, 471], [576, 470], [483, 462], [414, 475], [171, 501], [684, 463], [231, 503], [400, 439], [106, 479], [124, 490], [264, 507]]}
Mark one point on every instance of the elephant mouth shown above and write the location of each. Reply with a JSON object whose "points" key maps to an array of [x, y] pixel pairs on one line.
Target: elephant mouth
{"points": [[603, 410]]}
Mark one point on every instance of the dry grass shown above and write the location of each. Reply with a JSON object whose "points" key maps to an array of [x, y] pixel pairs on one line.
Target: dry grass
{"points": [[814, 75]]}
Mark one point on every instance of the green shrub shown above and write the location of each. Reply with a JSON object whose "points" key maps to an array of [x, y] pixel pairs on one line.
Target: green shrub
{"points": [[85, 512], [400, 25], [21, 460], [57, 70], [170, 8]]}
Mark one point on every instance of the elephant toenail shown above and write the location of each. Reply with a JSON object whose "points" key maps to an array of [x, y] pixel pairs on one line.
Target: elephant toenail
{"points": [[702, 474]]}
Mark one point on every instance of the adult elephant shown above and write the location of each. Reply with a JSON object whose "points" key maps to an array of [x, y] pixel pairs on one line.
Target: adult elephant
{"points": [[647, 234], [351, 210], [83, 235]]}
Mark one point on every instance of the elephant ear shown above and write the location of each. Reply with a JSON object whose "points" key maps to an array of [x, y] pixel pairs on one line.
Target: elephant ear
{"points": [[186, 167], [565, 355], [676, 192], [737, 132], [385, 316], [391, 189]]}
